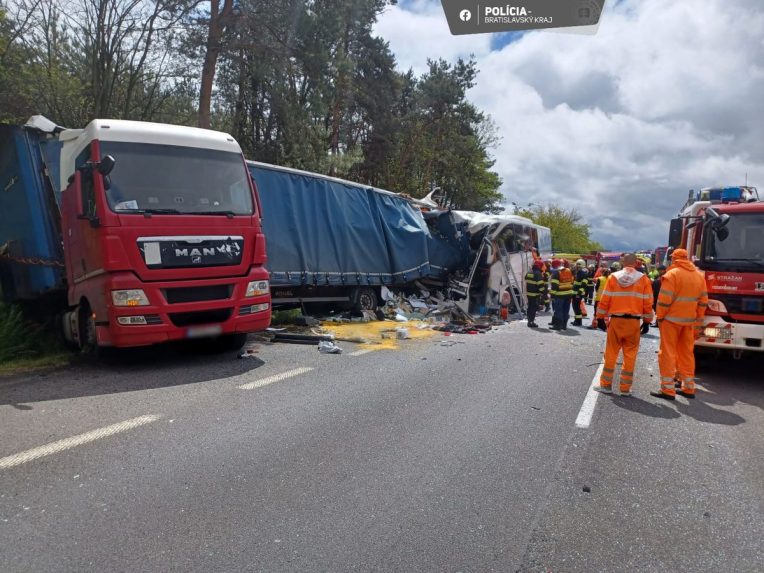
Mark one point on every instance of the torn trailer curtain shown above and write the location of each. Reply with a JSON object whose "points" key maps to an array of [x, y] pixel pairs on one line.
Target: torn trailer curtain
{"points": [[448, 244], [325, 231]]}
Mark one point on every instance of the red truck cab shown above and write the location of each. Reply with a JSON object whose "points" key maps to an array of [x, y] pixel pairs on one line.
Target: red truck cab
{"points": [[162, 237]]}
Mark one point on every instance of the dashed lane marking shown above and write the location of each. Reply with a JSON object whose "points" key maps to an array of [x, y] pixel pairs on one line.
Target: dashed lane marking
{"points": [[361, 352], [275, 378], [587, 408], [74, 441]]}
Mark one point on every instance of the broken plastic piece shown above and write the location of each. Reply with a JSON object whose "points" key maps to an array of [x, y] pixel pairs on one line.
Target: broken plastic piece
{"points": [[327, 347], [402, 333]]}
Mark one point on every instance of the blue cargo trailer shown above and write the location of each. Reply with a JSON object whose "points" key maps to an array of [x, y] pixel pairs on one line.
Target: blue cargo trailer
{"points": [[331, 240], [31, 253]]}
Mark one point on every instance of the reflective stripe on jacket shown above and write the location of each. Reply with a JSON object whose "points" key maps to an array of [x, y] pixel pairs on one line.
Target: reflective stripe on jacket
{"points": [[535, 285], [683, 298], [581, 282], [632, 297]]}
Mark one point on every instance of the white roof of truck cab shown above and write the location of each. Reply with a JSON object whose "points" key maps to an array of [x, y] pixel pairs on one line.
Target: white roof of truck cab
{"points": [[75, 140]]}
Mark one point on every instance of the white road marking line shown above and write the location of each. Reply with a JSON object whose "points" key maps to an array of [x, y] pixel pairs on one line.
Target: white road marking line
{"points": [[587, 408], [74, 441], [275, 378], [361, 352]]}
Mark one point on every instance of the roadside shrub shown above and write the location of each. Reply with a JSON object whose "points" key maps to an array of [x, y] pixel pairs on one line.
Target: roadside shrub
{"points": [[285, 316], [18, 338]]}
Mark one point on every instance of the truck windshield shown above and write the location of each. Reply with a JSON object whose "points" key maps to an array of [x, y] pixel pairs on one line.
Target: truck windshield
{"points": [[743, 248], [177, 180]]}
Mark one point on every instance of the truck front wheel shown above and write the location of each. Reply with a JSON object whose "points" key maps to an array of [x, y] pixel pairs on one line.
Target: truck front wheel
{"points": [[87, 331], [231, 342]]}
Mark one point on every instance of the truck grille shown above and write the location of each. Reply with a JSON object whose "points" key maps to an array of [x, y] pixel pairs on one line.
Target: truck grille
{"points": [[740, 304], [200, 317], [196, 294]]}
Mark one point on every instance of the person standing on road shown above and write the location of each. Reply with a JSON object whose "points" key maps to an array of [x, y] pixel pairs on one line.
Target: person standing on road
{"points": [[628, 301], [660, 271], [682, 303], [580, 284], [562, 293], [534, 289], [599, 288], [591, 286]]}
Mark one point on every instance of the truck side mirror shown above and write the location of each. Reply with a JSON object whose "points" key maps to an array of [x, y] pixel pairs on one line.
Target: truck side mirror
{"points": [[106, 165], [718, 223], [675, 232]]}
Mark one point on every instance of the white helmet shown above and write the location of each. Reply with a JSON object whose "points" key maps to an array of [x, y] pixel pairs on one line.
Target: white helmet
{"points": [[580, 263]]}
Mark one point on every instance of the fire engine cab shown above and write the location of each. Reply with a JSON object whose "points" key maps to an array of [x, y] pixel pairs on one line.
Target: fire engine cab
{"points": [[722, 229]]}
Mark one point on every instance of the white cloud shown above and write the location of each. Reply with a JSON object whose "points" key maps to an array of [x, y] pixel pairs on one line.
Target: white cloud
{"points": [[666, 97], [418, 30]]}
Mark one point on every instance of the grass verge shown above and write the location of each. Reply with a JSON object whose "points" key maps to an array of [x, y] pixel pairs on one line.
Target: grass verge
{"points": [[31, 363], [25, 345]]}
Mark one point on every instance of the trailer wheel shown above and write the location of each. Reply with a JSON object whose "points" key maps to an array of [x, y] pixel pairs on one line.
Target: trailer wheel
{"points": [[364, 298]]}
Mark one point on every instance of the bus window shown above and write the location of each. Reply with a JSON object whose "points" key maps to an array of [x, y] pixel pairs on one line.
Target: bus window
{"points": [[545, 241]]}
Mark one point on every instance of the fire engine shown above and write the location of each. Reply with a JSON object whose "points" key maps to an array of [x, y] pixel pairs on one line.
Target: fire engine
{"points": [[722, 229]]}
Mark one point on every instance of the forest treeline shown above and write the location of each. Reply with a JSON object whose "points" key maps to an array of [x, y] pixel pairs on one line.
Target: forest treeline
{"points": [[300, 83]]}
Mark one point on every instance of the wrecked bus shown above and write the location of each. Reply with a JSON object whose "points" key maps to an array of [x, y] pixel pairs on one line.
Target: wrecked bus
{"points": [[502, 249]]}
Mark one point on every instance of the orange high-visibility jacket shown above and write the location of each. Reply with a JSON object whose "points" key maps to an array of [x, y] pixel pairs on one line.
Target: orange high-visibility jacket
{"points": [[627, 293], [683, 298]]}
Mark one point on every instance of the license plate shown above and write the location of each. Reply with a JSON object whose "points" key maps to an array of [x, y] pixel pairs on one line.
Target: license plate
{"points": [[202, 331]]}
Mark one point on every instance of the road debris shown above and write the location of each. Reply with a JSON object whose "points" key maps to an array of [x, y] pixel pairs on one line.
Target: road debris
{"points": [[328, 347]]}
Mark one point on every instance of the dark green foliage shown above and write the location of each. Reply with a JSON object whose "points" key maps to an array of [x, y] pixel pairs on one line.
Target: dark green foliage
{"points": [[569, 233], [301, 83], [18, 339]]}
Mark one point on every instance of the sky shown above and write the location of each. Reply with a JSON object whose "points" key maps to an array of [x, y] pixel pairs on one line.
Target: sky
{"points": [[667, 96]]}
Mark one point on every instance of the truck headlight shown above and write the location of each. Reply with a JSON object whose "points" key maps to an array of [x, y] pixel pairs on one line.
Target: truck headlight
{"points": [[257, 288], [717, 306], [131, 297]]}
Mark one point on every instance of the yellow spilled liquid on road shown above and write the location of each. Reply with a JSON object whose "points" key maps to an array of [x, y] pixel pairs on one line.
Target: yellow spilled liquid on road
{"points": [[378, 335]]}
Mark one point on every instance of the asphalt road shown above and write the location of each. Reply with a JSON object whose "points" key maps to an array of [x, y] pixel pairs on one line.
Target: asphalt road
{"points": [[456, 453]]}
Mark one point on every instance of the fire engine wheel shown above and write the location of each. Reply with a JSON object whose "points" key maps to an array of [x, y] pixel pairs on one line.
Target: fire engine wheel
{"points": [[364, 299]]}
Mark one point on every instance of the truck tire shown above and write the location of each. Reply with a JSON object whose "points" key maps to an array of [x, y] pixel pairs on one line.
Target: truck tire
{"points": [[232, 342], [88, 338], [364, 298]]}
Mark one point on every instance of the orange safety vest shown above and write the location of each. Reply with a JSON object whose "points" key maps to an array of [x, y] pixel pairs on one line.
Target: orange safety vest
{"points": [[562, 285]]}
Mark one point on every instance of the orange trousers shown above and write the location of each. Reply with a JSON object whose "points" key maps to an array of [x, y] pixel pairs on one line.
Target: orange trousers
{"points": [[622, 334], [677, 354]]}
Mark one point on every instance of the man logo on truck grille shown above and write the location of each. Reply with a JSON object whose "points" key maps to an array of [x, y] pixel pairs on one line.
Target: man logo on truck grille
{"points": [[196, 260]]}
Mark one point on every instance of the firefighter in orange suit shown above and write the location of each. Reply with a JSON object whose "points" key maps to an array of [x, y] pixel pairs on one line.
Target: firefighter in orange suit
{"points": [[682, 303], [628, 301]]}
